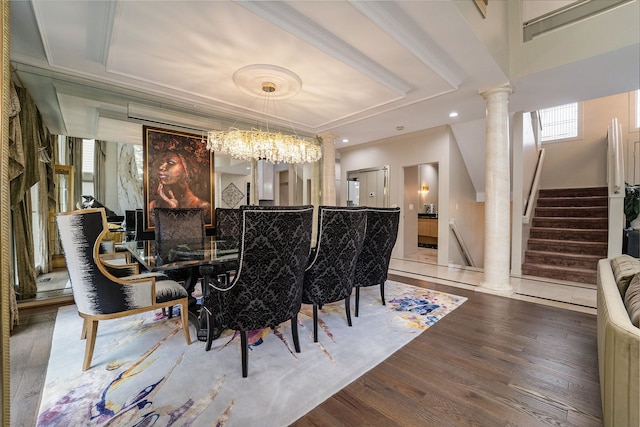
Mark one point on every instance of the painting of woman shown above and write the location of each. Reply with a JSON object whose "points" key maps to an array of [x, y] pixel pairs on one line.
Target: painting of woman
{"points": [[178, 171]]}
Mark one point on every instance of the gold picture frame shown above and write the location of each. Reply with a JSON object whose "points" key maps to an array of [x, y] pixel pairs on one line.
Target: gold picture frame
{"points": [[177, 172]]}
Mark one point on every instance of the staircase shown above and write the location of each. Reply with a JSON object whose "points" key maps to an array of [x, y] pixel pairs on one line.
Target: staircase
{"points": [[569, 234]]}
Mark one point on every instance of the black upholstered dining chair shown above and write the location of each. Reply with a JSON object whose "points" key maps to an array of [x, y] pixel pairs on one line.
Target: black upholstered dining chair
{"points": [[228, 230], [329, 276], [373, 262], [267, 288], [174, 226], [99, 294]]}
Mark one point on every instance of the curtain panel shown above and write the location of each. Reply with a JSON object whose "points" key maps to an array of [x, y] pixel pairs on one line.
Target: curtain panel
{"points": [[25, 172]]}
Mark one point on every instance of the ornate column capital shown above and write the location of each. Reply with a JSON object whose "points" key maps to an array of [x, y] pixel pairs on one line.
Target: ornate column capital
{"points": [[491, 92]]}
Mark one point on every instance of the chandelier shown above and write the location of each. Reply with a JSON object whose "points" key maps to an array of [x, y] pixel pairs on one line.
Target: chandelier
{"points": [[258, 144]]}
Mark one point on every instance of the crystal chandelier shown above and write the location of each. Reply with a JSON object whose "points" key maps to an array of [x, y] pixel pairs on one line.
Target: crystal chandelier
{"points": [[258, 144]]}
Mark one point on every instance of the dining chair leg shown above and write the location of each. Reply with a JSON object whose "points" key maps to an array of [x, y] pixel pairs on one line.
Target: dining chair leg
{"points": [[315, 322], [245, 355], [184, 314], [92, 331], [294, 332], [347, 308], [382, 292], [357, 300], [83, 334], [209, 329]]}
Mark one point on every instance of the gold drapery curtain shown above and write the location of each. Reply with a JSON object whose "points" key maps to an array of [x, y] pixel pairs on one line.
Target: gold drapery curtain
{"points": [[24, 166]]}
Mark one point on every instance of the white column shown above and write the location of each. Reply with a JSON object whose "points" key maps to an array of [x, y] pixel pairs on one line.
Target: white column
{"points": [[328, 169], [497, 226]]}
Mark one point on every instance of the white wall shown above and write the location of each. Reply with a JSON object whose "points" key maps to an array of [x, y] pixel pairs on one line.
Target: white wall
{"points": [[599, 34]]}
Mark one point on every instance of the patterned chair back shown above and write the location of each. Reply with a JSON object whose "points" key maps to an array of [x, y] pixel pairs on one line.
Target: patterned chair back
{"points": [[329, 276], [267, 288], [174, 226], [93, 291], [179, 224], [228, 224], [382, 231]]}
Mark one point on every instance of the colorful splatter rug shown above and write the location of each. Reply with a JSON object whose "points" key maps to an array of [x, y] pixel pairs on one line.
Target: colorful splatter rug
{"points": [[144, 374]]}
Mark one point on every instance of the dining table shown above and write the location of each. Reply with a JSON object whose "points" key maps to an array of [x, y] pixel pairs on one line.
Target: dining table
{"points": [[200, 258]]}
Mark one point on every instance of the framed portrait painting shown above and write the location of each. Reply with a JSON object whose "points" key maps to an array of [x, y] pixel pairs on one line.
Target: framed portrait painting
{"points": [[178, 173]]}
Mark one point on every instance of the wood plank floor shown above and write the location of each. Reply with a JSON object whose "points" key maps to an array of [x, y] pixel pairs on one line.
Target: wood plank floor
{"points": [[494, 361]]}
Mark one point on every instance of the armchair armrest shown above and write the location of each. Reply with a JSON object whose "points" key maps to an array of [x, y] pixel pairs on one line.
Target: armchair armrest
{"points": [[121, 271]]}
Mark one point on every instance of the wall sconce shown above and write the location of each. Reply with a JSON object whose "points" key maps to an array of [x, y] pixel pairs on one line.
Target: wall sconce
{"points": [[424, 189]]}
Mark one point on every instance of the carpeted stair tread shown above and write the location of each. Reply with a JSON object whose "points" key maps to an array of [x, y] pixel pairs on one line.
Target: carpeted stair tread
{"points": [[568, 234], [568, 246], [573, 202], [573, 223], [574, 192], [573, 234], [584, 261], [560, 273], [572, 211]]}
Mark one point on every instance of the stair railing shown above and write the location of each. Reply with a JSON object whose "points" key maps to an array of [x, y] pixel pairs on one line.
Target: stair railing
{"points": [[533, 191], [615, 169], [463, 246]]}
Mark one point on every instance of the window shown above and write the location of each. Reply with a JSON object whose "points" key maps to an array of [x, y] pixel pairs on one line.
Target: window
{"points": [[559, 123]]}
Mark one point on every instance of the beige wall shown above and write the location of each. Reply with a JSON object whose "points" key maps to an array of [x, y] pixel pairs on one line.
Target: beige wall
{"points": [[410, 217], [403, 154], [463, 208], [582, 162]]}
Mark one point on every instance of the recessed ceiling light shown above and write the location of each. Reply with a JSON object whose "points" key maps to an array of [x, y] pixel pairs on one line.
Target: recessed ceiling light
{"points": [[453, 114], [399, 127], [345, 140]]}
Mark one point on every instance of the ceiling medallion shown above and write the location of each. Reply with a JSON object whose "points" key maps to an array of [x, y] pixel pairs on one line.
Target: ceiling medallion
{"points": [[270, 83]]}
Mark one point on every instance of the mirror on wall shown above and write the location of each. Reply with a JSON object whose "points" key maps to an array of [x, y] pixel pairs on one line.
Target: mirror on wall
{"points": [[368, 187]]}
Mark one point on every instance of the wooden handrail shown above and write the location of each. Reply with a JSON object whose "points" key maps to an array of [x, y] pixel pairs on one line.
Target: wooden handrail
{"points": [[463, 247], [534, 188]]}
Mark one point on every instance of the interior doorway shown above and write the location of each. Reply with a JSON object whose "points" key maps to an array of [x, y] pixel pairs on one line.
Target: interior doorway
{"points": [[420, 204]]}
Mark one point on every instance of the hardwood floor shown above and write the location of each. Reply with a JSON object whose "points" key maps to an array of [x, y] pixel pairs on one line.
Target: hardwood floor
{"points": [[494, 361]]}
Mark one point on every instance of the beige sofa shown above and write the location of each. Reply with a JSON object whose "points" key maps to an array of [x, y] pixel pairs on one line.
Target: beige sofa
{"points": [[618, 352]]}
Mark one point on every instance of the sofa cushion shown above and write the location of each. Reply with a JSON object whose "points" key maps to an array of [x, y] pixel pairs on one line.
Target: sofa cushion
{"points": [[632, 300], [624, 268]]}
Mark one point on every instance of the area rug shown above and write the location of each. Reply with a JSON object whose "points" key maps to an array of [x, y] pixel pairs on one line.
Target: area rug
{"points": [[144, 374]]}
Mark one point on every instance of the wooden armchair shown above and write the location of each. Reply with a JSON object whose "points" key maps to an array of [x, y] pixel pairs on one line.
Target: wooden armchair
{"points": [[97, 291]]}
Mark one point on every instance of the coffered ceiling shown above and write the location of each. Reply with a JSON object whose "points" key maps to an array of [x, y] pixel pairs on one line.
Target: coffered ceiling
{"points": [[364, 68], [354, 69]]}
